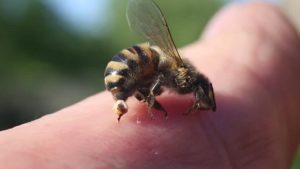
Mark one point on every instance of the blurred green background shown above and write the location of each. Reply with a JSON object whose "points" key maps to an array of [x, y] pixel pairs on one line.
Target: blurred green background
{"points": [[53, 52]]}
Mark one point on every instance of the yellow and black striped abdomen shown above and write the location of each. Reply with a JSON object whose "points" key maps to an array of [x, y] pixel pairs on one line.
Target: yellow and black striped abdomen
{"points": [[127, 68]]}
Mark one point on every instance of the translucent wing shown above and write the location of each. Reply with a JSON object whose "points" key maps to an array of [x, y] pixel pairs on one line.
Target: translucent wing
{"points": [[145, 17]]}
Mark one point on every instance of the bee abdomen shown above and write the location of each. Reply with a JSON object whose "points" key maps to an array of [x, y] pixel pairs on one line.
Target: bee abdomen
{"points": [[115, 74], [128, 67]]}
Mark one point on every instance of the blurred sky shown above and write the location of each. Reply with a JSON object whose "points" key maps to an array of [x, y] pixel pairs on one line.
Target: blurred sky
{"points": [[86, 16]]}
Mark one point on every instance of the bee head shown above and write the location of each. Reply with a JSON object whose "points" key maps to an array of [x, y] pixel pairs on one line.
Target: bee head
{"points": [[120, 108]]}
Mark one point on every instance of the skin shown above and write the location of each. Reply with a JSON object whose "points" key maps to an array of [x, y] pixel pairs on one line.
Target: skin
{"points": [[250, 52]]}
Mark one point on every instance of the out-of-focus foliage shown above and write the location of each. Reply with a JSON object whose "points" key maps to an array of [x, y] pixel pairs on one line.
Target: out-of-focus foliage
{"points": [[297, 161]]}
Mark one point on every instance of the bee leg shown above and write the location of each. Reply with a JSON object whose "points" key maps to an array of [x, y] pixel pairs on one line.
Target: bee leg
{"points": [[195, 107], [145, 96], [202, 101], [155, 90], [211, 96], [159, 107], [140, 96], [150, 102], [206, 98]]}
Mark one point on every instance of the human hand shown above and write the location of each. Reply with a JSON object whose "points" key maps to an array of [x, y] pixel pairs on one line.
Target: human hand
{"points": [[249, 52]]}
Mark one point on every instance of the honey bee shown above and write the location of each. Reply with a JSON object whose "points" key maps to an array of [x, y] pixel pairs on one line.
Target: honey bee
{"points": [[144, 70]]}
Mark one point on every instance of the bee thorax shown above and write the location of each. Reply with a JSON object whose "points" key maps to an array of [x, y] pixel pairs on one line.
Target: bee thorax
{"points": [[182, 78]]}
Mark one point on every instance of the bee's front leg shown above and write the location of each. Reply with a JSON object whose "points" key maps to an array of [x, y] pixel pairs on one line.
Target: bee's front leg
{"points": [[202, 101]]}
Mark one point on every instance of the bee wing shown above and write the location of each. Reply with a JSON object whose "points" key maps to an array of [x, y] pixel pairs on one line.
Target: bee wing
{"points": [[146, 18]]}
